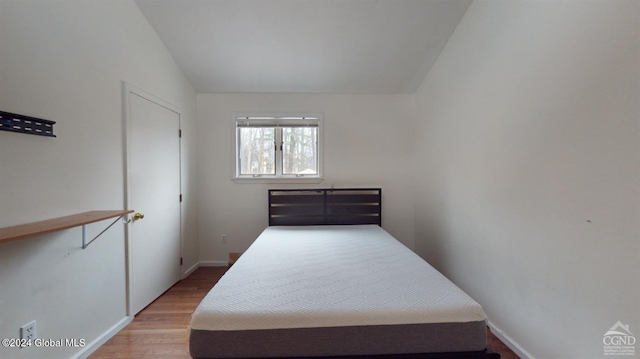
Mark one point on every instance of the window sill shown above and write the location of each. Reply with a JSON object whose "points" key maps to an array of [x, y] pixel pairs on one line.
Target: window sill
{"points": [[245, 180]]}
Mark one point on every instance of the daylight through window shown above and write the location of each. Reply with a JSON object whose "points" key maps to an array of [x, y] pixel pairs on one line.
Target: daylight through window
{"points": [[278, 147]]}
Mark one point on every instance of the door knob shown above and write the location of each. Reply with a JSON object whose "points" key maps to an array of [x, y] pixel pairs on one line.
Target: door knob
{"points": [[138, 216]]}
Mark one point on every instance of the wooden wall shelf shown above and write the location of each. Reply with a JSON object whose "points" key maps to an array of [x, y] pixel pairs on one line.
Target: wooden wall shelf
{"points": [[59, 224]]}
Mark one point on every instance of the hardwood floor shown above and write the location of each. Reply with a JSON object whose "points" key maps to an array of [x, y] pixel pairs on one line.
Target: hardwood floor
{"points": [[161, 329]]}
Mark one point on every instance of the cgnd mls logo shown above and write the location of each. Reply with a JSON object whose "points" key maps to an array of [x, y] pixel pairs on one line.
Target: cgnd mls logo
{"points": [[619, 340]]}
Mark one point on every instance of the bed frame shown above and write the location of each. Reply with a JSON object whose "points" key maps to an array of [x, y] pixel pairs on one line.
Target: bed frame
{"points": [[331, 206], [322, 206]]}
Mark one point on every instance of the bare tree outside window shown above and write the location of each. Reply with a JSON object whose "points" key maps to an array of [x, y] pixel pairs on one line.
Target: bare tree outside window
{"points": [[257, 151], [278, 147], [299, 150]]}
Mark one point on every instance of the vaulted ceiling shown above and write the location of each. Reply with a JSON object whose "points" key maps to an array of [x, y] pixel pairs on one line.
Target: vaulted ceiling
{"points": [[304, 46]]}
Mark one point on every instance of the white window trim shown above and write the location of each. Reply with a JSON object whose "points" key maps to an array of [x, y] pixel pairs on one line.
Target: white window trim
{"points": [[278, 118]]}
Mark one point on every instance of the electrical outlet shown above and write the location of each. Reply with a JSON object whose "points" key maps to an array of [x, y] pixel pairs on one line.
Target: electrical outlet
{"points": [[28, 331], [224, 239]]}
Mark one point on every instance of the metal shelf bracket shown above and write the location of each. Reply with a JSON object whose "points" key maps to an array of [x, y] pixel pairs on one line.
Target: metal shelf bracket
{"points": [[85, 244]]}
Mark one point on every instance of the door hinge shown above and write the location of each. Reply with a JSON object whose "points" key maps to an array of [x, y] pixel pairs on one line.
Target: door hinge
{"points": [[180, 133], [180, 260], [180, 197]]}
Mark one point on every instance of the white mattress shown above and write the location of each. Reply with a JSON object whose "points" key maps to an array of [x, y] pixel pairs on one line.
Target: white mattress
{"points": [[329, 276]]}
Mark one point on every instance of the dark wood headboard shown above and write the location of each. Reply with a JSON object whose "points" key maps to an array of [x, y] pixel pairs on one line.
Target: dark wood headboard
{"points": [[320, 206]]}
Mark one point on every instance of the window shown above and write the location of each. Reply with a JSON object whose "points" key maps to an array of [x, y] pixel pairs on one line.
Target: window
{"points": [[278, 147]]}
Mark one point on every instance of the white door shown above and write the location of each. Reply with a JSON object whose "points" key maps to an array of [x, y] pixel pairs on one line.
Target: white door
{"points": [[154, 192]]}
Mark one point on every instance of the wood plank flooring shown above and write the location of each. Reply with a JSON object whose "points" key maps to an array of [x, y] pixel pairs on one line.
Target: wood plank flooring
{"points": [[161, 330]]}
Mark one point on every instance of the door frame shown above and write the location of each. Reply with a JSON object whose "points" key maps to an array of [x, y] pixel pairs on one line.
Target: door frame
{"points": [[129, 90]]}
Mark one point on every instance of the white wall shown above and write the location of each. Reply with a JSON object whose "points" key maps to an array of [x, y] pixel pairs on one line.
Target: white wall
{"points": [[527, 136], [65, 61], [367, 142]]}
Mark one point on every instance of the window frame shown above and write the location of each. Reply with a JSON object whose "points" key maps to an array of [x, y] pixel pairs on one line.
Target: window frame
{"points": [[278, 121]]}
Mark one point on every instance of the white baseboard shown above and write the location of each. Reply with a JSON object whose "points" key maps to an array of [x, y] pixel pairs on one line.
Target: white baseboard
{"points": [[204, 264], [214, 264], [509, 342], [191, 270], [97, 343]]}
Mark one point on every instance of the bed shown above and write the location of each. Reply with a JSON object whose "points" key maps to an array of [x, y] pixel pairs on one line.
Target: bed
{"points": [[325, 280]]}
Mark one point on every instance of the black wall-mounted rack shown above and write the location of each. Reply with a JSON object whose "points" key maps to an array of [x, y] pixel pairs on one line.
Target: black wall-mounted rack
{"points": [[14, 122]]}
